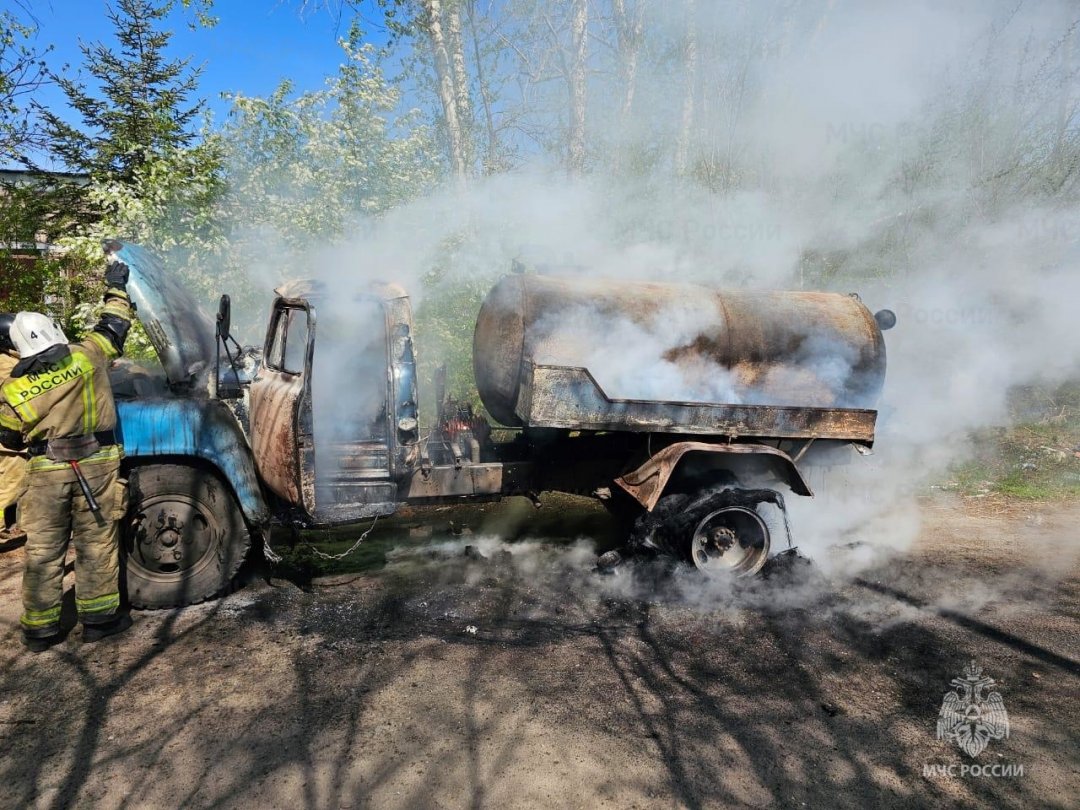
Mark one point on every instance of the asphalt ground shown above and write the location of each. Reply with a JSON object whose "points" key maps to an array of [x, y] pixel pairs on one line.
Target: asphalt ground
{"points": [[476, 671]]}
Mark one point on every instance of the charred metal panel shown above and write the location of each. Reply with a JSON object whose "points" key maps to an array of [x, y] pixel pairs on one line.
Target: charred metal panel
{"points": [[204, 429], [353, 462], [355, 485], [405, 411], [350, 513], [357, 502], [281, 431], [646, 484], [438, 483], [275, 436], [569, 398], [353, 445]]}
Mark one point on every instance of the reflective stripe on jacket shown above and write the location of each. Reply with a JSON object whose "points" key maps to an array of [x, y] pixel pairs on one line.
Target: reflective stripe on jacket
{"points": [[71, 396]]}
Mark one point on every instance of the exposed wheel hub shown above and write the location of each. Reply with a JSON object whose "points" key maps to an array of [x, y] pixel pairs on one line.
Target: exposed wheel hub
{"points": [[718, 540], [170, 538], [733, 540]]}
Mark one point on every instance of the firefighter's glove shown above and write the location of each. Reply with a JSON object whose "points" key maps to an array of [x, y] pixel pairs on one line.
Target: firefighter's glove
{"points": [[12, 439], [116, 276]]}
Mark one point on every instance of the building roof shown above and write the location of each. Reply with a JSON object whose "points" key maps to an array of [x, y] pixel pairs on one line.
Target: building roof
{"points": [[28, 176]]}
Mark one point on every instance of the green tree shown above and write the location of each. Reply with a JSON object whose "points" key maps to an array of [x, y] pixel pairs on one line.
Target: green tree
{"points": [[307, 166], [305, 170], [144, 106], [24, 279], [154, 172]]}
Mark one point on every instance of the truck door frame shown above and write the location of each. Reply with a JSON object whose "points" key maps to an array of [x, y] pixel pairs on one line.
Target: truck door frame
{"points": [[282, 440]]}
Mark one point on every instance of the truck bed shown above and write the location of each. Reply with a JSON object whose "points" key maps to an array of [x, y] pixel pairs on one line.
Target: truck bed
{"points": [[570, 398]]}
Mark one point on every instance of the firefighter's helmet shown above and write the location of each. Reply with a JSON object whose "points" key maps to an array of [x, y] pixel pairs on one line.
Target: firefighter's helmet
{"points": [[33, 333]]}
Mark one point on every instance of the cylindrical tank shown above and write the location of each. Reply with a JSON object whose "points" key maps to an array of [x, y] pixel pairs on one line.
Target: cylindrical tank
{"points": [[678, 343]]}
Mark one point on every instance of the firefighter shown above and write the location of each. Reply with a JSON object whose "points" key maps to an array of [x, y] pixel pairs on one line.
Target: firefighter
{"points": [[12, 464], [59, 403]]}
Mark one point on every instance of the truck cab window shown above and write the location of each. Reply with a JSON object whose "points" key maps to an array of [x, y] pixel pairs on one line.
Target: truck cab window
{"points": [[277, 344], [296, 339], [289, 345]]}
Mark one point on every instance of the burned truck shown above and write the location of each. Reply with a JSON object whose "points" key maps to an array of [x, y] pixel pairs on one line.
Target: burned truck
{"points": [[685, 410]]}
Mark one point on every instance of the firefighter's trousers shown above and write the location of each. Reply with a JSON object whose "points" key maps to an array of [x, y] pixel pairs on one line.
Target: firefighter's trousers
{"points": [[53, 512]]}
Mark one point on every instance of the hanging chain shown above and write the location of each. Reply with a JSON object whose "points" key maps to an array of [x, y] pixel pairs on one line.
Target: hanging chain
{"points": [[274, 557], [352, 548], [268, 552]]}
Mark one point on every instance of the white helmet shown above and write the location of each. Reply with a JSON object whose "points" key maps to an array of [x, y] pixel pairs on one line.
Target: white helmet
{"points": [[33, 333]]}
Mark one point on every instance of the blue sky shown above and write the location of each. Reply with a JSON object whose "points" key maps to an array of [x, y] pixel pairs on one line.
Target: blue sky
{"points": [[255, 44]]}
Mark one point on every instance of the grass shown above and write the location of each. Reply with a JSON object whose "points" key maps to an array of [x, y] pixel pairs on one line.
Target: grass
{"points": [[1033, 459]]}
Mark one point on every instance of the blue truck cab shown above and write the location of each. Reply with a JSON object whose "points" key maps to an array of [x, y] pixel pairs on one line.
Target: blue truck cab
{"points": [[196, 501], [221, 441]]}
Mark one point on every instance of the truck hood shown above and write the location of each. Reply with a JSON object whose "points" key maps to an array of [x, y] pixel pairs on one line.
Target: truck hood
{"points": [[180, 330]]}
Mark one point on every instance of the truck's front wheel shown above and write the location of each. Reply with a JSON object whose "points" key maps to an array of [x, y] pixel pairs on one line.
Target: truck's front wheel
{"points": [[184, 537]]}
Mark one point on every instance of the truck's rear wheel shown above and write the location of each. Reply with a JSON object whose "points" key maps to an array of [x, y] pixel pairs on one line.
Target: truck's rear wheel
{"points": [[732, 540], [719, 535], [184, 537]]}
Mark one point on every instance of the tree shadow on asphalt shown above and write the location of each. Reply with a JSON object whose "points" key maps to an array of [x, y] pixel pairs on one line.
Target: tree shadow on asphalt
{"points": [[753, 710]]}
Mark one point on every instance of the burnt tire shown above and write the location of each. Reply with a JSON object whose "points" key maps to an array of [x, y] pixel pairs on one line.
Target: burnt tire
{"points": [[624, 512], [183, 539], [703, 530], [658, 531]]}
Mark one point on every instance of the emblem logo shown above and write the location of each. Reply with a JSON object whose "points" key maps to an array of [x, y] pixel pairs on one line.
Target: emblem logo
{"points": [[968, 716]]}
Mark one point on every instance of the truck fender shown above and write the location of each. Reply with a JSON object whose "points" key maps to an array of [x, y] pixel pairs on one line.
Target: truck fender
{"points": [[647, 483], [199, 428]]}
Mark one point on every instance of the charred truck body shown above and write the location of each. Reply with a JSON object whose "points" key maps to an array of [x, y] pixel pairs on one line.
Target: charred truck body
{"points": [[327, 431]]}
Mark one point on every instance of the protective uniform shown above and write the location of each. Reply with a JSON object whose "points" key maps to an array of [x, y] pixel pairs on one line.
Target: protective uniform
{"points": [[12, 464], [60, 400]]}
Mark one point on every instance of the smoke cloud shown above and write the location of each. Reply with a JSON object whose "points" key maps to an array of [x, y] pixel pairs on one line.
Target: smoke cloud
{"points": [[924, 155]]}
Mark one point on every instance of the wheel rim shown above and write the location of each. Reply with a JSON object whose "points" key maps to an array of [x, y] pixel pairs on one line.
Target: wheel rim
{"points": [[173, 537], [733, 541]]}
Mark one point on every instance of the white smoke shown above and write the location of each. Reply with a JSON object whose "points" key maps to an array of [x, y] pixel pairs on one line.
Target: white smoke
{"points": [[628, 357], [896, 150]]}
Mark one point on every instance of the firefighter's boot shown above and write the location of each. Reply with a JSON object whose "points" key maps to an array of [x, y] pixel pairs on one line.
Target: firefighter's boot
{"points": [[96, 632], [37, 644]]}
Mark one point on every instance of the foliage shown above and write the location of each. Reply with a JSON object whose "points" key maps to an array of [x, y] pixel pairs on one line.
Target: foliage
{"points": [[1036, 458], [306, 170], [444, 328], [40, 205], [306, 166], [22, 72], [25, 281], [153, 176], [31, 212], [86, 315], [167, 202], [201, 10]]}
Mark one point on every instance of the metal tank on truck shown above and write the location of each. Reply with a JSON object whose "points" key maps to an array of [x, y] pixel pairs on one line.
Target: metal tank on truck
{"points": [[685, 410], [754, 376], [541, 343]]}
